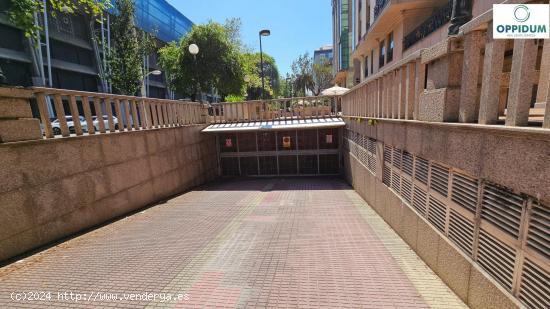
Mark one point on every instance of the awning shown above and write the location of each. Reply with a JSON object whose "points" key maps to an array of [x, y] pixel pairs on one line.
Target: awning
{"points": [[284, 124]]}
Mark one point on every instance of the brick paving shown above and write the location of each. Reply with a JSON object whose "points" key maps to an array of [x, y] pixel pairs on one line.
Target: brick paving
{"points": [[265, 243]]}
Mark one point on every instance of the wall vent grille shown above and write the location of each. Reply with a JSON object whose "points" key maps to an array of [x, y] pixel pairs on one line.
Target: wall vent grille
{"points": [[386, 176], [534, 290], [406, 189], [421, 170], [396, 158], [461, 232], [419, 200], [372, 164], [464, 192], [371, 146], [439, 180], [395, 181], [538, 237], [437, 214], [407, 163], [496, 258], [387, 154], [502, 208]]}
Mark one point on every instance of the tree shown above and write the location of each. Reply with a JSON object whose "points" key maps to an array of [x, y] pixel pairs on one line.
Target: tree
{"points": [[125, 56], [217, 65], [253, 76], [302, 69], [233, 28], [322, 75], [168, 60]]}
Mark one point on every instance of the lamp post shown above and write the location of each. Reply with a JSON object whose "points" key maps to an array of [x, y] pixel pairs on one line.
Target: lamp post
{"points": [[143, 89], [264, 32], [194, 50]]}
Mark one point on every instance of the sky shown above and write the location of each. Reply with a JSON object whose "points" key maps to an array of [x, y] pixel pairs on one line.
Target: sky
{"points": [[297, 26]]}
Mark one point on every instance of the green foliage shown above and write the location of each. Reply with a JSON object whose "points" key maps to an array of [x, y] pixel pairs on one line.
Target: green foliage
{"points": [[217, 65], [322, 75], [21, 12], [302, 69], [126, 55], [253, 76], [235, 98], [286, 86], [233, 28], [168, 60]]}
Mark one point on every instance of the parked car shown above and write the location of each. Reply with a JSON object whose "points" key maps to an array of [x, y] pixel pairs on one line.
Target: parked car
{"points": [[56, 127], [105, 121]]}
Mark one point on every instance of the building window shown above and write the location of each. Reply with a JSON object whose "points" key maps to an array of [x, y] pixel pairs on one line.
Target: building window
{"points": [[382, 54], [366, 66], [390, 47]]}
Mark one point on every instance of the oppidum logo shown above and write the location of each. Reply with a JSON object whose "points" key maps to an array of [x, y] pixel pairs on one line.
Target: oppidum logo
{"points": [[521, 21]]}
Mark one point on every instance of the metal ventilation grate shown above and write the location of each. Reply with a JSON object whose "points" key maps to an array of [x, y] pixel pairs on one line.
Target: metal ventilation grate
{"points": [[395, 181], [464, 192], [406, 189], [371, 145], [421, 170], [496, 258], [437, 213], [439, 180], [387, 154], [502, 208], [534, 289], [538, 237], [419, 200], [407, 163], [372, 164], [396, 158], [386, 176], [461, 232]]}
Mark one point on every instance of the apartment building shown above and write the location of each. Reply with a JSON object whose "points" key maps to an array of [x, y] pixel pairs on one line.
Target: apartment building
{"points": [[72, 48], [380, 32]]}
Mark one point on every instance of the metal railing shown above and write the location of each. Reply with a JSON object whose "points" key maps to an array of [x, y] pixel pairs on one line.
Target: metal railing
{"points": [[94, 113], [275, 109]]}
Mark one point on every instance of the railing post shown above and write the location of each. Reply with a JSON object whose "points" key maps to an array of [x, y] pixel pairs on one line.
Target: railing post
{"points": [[135, 120], [60, 112], [99, 114], [75, 115], [109, 109], [88, 114], [16, 122], [44, 114], [410, 91], [543, 89], [521, 82], [469, 105], [490, 84], [118, 113]]}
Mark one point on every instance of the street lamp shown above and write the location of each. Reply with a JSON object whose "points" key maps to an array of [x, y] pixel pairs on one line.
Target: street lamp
{"points": [[194, 50], [156, 73], [264, 32]]}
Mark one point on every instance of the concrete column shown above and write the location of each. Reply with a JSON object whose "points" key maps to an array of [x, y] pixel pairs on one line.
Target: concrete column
{"points": [[542, 92], [521, 83], [419, 83], [410, 91], [490, 83], [16, 121], [469, 105], [402, 95]]}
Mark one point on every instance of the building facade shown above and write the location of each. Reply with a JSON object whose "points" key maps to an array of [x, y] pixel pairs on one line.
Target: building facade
{"points": [[324, 52], [71, 53], [370, 34], [341, 25]]}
